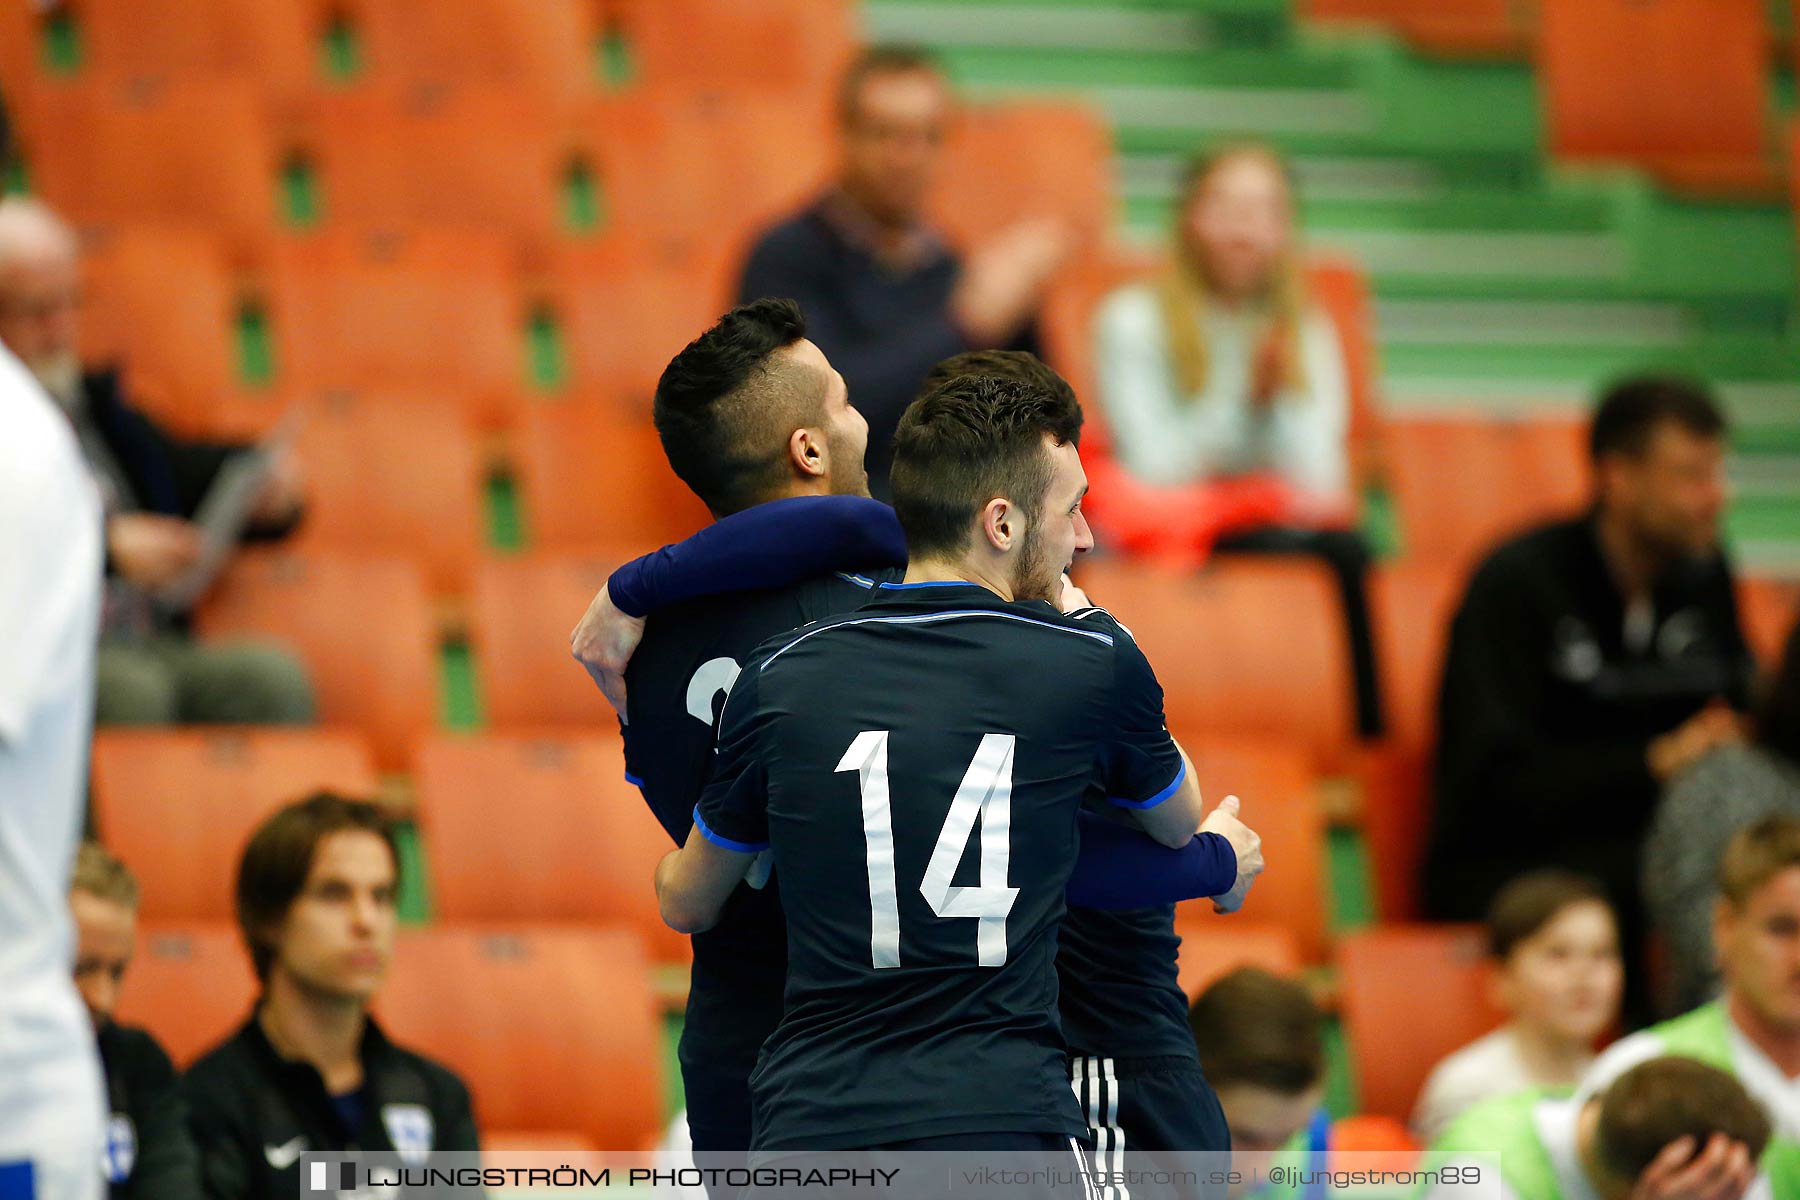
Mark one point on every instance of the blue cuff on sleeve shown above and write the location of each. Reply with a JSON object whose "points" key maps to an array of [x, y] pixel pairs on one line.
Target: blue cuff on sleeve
{"points": [[1155, 800], [720, 840]]}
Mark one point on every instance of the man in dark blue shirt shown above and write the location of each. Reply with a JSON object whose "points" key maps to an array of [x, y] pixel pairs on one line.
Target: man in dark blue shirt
{"points": [[961, 698], [884, 295]]}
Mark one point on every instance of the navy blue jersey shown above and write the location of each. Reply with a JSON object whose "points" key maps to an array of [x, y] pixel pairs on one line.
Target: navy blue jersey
{"points": [[1120, 994], [915, 768], [676, 684]]}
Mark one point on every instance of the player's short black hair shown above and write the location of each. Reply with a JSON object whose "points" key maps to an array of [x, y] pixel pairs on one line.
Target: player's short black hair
{"points": [[725, 405], [279, 858], [890, 58], [1021, 366], [1631, 410], [969, 440]]}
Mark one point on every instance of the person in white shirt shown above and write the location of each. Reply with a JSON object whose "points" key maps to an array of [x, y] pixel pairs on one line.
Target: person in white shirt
{"points": [[52, 1105], [1225, 392], [1753, 1029], [1557, 971]]}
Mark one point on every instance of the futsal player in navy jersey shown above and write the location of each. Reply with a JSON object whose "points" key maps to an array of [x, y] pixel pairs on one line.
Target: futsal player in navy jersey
{"points": [[752, 381], [1131, 1058], [923, 861]]}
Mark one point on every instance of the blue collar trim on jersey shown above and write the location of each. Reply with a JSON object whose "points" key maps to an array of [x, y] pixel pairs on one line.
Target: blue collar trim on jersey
{"points": [[924, 583]]}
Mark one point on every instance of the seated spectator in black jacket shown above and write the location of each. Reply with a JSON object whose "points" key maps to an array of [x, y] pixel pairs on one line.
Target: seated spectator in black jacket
{"points": [[148, 1153], [884, 296], [1592, 659], [150, 670], [310, 1071]]}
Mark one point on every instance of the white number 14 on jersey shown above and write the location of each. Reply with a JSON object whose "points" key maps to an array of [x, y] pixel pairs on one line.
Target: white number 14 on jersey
{"points": [[985, 795]]}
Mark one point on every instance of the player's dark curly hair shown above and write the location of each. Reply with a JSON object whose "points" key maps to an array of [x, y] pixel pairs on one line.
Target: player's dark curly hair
{"points": [[1022, 366], [973, 438], [725, 405]]}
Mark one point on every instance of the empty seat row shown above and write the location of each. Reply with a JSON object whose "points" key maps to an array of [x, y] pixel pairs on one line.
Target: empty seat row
{"points": [[548, 47], [667, 161]]}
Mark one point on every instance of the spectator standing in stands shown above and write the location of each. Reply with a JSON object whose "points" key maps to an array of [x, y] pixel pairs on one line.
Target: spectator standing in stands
{"points": [[1669, 1129], [1555, 948], [152, 482], [1753, 1029], [51, 1102], [311, 1071], [883, 294], [1591, 659], [149, 1155], [1730, 788], [1262, 1050], [1225, 391]]}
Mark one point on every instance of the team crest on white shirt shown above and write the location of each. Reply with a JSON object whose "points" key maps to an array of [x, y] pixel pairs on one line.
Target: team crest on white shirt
{"points": [[409, 1127]]}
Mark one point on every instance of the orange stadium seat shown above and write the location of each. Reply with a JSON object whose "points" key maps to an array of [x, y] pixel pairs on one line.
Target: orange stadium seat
{"points": [[523, 611], [551, 1029], [626, 305], [270, 41], [363, 627], [546, 47], [496, 159], [800, 46], [1213, 946], [588, 477], [393, 477], [1464, 483], [1413, 604], [191, 985], [178, 805], [768, 154], [430, 309], [541, 828], [197, 153], [1008, 162], [1679, 87], [1279, 788], [176, 343], [1769, 610], [1410, 994], [1342, 290], [20, 40], [1249, 646], [1467, 28]]}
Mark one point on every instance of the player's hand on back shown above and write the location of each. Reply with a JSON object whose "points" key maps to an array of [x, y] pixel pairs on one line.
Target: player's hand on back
{"points": [[603, 643], [1072, 598], [1245, 842]]}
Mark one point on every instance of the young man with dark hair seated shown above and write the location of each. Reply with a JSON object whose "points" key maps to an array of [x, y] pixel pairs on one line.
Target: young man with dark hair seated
{"points": [[310, 1071]]}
